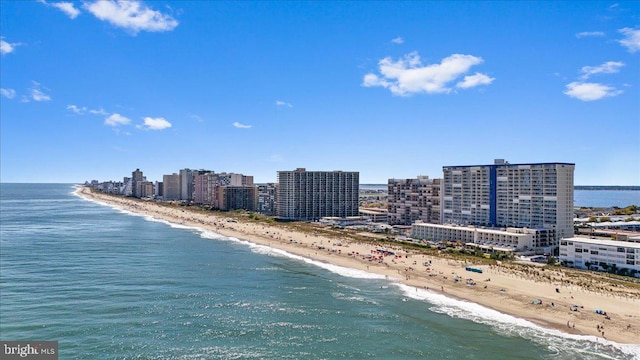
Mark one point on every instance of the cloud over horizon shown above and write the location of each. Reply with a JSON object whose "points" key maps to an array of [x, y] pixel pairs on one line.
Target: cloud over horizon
{"points": [[408, 75], [133, 15]]}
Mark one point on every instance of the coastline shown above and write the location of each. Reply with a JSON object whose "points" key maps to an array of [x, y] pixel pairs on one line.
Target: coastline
{"points": [[509, 291]]}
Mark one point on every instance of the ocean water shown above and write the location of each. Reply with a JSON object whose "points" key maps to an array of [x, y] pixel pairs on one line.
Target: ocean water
{"points": [[108, 284], [606, 198]]}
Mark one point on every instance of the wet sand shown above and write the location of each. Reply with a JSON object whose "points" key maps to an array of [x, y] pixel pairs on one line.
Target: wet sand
{"points": [[512, 290]]}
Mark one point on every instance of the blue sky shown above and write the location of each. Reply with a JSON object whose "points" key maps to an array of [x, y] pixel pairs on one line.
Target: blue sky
{"points": [[96, 89]]}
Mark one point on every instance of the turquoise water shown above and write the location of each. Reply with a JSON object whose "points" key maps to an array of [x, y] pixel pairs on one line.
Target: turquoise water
{"points": [[110, 285]]}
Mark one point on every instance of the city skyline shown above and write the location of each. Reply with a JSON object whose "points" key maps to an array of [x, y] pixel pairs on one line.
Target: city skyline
{"points": [[94, 89]]}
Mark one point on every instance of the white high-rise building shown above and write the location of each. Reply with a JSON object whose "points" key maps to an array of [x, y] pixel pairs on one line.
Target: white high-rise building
{"points": [[311, 195], [536, 196]]}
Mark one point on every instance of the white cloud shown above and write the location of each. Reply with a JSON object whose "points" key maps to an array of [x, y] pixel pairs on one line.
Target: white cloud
{"points": [[196, 117], [283, 103], [610, 67], [116, 120], [156, 123], [475, 80], [590, 91], [67, 8], [37, 94], [77, 110], [397, 40], [241, 126], [408, 76], [631, 39], [6, 47], [589, 34], [98, 112], [8, 93], [132, 15], [83, 110]]}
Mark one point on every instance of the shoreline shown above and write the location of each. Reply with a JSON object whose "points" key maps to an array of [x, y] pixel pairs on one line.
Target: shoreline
{"points": [[498, 288]]}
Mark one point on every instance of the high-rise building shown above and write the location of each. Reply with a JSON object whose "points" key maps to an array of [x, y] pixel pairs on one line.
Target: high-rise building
{"points": [[237, 197], [311, 195], [136, 179], [267, 198], [171, 187], [536, 196], [414, 199], [206, 184], [186, 184]]}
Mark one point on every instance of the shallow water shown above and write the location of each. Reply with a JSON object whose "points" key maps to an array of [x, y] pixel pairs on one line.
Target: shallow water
{"points": [[107, 284]]}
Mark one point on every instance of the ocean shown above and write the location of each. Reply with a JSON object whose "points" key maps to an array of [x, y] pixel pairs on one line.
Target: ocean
{"points": [[109, 284]]}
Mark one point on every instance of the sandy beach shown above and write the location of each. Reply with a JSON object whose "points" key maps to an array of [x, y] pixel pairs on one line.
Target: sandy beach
{"points": [[551, 297]]}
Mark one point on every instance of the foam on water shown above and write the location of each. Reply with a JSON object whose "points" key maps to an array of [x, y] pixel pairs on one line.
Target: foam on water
{"points": [[588, 346], [508, 325]]}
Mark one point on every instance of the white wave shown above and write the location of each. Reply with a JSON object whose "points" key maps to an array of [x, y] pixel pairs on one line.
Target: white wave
{"points": [[506, 324], [510, 325], [336, 269]]}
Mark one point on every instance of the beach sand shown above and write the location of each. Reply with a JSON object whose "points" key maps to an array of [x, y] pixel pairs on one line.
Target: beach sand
{"points": [[506, 288]]}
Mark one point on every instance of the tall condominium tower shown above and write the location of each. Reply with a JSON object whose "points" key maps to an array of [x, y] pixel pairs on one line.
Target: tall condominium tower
{"points": [[536, 196], [186, 184], [171, 187], [414, 199], [136, 179], [311, 195]]}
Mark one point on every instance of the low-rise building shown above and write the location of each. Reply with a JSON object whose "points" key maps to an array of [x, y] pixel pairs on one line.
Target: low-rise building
{"points": [[597, 254], [376, 215], [506, 239]]}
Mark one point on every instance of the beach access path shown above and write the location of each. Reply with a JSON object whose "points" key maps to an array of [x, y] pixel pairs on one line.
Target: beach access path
{"points": [[536, 294]]}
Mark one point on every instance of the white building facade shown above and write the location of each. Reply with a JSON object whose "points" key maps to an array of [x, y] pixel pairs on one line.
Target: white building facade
{"points": [[535, 196], [508, 239], [600, 254]]}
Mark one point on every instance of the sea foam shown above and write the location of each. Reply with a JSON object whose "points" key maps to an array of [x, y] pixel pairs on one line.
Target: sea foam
{"points": [[589, 346]]}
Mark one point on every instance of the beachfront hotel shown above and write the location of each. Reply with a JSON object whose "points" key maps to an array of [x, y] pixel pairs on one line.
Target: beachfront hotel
{"points": [[600, 254], [312, 195], [489, 240], [410, 200], [535, 196], [206, 185]]}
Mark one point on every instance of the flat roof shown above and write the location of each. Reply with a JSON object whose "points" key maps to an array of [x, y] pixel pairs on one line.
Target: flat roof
{"points": [[603, 242], [549, 163]]}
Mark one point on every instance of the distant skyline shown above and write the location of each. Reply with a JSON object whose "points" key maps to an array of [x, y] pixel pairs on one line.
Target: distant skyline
{"points": [[95, 89]]}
